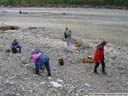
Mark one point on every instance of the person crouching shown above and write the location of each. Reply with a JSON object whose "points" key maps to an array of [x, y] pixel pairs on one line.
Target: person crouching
{"points": [[16, 48], [39, 59]]}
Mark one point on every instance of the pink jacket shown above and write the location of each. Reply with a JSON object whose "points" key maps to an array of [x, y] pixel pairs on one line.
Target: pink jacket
{"points": [[35, 57]]}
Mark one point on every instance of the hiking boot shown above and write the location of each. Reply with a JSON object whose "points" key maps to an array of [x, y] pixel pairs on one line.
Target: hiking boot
{"points": [[37, 73], [95, 72], [40, 68], [104, 73], [49, 74]]}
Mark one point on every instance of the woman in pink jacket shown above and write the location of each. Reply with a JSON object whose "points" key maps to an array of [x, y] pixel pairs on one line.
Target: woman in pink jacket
{"points": [[39, 59]]}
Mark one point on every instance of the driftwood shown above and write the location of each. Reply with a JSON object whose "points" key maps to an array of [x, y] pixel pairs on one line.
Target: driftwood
{"points": [[79, 45], [32, 27], [21, 12], [86, 60], [4, 28]]}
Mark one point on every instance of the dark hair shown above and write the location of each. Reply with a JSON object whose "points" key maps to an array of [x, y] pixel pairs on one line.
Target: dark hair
{"points": [[15, 40], [103, 42], [66, 28], [36, 51]]}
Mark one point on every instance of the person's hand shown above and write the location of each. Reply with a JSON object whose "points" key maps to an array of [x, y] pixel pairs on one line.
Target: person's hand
{"points": [[30, 60], [16, 46], [99, 61]]}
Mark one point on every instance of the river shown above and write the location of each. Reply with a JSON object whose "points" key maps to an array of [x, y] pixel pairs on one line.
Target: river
{"points": [[90, 23]]}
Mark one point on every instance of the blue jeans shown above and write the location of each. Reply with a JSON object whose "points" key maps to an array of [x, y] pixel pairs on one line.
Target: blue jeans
{"points": [[18, 49], [69, 45]]}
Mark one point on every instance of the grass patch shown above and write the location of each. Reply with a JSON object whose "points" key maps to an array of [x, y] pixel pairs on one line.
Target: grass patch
{"points": [[5, 59], [24, 62]]}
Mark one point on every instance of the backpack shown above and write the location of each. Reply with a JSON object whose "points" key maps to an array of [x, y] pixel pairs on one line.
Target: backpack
{"points": [[61, 62], [65, 36]]}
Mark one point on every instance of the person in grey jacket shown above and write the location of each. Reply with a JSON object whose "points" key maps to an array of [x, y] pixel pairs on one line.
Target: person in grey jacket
{"points": [[68, 36]]}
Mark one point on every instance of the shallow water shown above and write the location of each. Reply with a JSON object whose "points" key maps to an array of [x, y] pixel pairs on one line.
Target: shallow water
{"points": [[107, 24]]}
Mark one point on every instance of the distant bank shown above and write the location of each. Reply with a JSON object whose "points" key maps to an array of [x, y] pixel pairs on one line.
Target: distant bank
{"points": [[113, 4]]}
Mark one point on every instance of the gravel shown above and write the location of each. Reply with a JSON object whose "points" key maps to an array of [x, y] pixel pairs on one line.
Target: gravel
{"points": [[17, 76]]}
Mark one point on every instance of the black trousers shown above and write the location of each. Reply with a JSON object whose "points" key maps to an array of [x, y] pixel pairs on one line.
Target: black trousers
{"points": [[14, 50], [97, 65]]}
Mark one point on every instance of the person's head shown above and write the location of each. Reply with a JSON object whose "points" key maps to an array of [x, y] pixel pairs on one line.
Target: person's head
{"points": [[15, 40], [66, 28], [36, 51], [103, 43]]}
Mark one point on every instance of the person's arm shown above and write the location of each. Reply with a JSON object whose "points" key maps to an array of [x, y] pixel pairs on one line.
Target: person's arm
{"points": [[33, 59], [13, 45], [16, 44], [65, 36], [99, 53], [30, 59], [70, 33]]}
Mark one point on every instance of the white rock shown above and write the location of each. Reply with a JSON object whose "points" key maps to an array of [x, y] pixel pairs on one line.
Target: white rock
{"points": [[55, 84], [59, 80], [87, 85]]}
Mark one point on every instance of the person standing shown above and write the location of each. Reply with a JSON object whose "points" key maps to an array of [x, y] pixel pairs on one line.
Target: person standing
{"points": [[68, 36], [39, 59], [99, 56]]}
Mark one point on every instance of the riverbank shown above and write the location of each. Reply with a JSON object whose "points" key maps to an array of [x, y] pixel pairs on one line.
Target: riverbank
{"points": [[69, 6], [65, 3], [17, 73], [89, 23]]}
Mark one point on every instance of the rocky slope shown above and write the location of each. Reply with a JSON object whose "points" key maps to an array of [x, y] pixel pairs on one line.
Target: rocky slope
{"points": [[17, 76]]}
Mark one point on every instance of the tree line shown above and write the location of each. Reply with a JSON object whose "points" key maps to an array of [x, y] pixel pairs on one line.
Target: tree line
{"points": [[36, 3]]}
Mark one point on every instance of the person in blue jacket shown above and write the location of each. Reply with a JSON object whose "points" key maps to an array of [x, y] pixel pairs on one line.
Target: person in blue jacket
{"points": [[39, 59], [16, 48]]}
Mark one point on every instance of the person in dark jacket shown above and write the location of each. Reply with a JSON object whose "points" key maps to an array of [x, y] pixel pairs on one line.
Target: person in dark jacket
{"points": [[39, 59], [16, 48], [99, 56]]}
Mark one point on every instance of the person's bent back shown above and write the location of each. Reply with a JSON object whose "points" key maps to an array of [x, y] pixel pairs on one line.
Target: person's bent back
{"points": [[39, 59]]}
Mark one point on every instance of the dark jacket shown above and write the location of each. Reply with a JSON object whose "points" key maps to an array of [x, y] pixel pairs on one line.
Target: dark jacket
{"points": [[68, 34], [14, 44]]}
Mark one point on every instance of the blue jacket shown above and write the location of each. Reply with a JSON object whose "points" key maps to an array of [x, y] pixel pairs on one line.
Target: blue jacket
{"points": [[42, 59], [14, 44]]}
